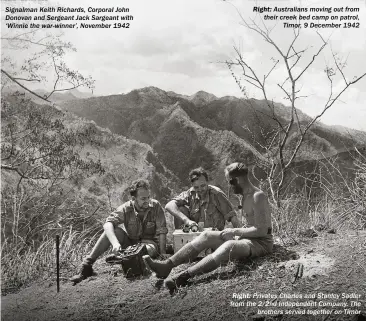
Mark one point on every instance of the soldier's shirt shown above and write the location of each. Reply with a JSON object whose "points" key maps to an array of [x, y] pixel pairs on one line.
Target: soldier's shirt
{"points": [[144, 224], [213, 210]]}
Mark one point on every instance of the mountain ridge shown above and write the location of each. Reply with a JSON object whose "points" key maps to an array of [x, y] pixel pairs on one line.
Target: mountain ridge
{"points": [[202, 130]]}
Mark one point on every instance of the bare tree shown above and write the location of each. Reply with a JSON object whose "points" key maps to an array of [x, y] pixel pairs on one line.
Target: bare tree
{"points": [[42, 61], [283, 142], [40, 151]]}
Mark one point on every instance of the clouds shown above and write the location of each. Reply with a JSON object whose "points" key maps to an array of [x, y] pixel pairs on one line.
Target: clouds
{"points": [[179, 45]]}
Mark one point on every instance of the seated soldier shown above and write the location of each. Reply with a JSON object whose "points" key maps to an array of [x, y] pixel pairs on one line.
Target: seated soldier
{"points": [[144, 221], [251, 241], [202, 203]]}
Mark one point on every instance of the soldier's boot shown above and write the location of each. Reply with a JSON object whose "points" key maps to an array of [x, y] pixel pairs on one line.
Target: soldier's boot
{"points": [[207, 264], [86, 270], [177, 281], [163, 268]]}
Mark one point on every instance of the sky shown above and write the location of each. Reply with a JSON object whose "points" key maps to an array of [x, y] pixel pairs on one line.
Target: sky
{"points": [[181, 45]]}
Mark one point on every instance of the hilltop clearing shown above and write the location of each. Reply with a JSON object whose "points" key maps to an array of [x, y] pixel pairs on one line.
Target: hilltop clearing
{"points": [[109, 296]]}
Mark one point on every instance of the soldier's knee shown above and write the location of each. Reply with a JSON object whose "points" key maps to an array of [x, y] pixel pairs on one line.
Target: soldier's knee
{"points": [[227, 246], [151, 250], [231, 250], [120, 234], [206, 236]]}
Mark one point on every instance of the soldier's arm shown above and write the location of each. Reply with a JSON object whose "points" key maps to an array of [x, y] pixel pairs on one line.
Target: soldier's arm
{"points": [[114, 219], [227, 209], [173, 207], [161, 228]]}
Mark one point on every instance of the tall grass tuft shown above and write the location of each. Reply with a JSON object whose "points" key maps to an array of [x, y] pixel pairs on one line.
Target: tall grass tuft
{"points": [[22, 265], [340, 204]]}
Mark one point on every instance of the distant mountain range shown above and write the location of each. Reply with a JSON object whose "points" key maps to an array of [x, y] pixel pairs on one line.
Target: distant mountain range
{"points": [[56, 97], [204, 130], [184, 132], [65, 96], [158, 135]]}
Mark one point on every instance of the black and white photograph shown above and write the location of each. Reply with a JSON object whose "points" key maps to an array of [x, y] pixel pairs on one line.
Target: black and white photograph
{"points": [[183, 160]]}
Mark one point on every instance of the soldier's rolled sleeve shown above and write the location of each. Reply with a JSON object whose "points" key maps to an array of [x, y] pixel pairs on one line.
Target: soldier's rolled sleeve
{"points": [[116, 217], [182, 199], [226, 208], [160, 221]]}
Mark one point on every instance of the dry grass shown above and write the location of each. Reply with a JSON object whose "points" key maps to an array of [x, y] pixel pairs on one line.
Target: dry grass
{"points": [[22, 265], [110, 296]]}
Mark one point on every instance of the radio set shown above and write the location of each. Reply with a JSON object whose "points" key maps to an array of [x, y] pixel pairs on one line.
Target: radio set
{"points": [[131, 260]]}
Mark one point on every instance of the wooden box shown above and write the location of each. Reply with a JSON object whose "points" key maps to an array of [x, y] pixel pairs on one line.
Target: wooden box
{"points": [[181, 238]]}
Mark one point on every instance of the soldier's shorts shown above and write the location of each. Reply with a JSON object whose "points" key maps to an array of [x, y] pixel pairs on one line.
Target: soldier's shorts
{"points": [[259, 246]]}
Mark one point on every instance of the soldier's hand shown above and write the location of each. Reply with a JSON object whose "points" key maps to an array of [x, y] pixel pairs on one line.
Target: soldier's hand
{"points": [[190, 223], [227, 234], [116, 248], [189, 226]]}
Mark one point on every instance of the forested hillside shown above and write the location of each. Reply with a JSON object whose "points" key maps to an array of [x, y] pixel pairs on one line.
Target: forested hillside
{"points": [[59, 169]]}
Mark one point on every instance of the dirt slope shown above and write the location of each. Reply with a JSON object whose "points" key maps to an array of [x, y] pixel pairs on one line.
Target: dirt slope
{"points": [[333, 264]]}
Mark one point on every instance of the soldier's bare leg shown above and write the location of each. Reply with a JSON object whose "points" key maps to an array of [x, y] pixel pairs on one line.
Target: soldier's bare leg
{"points": [[206, 240], [227, 251]]}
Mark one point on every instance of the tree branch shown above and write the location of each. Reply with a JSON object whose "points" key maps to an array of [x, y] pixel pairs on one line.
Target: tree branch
{"points": [[27, 89]]}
